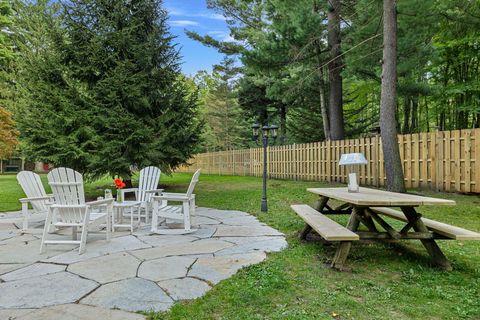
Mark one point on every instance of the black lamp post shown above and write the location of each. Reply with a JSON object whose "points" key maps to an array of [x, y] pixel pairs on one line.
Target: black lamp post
{"points": [[265, 135]]}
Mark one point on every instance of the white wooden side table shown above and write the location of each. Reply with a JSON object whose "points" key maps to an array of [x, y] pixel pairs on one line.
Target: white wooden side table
{"points": [[119, 213]]}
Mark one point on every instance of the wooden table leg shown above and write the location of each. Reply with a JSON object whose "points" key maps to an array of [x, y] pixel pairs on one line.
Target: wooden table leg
{"points": [[321, 203], [343, 249], [362, 215], [438, 258]]}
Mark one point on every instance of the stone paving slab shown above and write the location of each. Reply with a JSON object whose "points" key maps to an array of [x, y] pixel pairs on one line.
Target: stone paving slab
{"points": [[46, 290], [196, 247], [29, 252], [100, 248], [19, 239], [205, 220], [8, 267], [108, 268], [241, 221], [34, 270], [219, 268], [77, 312], [132, 295], [165, 268], [164, 240], [185, 288], [246, 231], [204, 232], [220, 214], [138, 272], [7, 234], [15, 314], [253, 244], [7, 226]]}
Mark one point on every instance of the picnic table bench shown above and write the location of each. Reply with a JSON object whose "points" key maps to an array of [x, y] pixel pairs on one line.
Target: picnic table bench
{"points": [[368, 207]]}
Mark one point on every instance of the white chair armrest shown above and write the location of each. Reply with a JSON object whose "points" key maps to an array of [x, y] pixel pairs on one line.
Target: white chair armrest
{"points": [[35, 199], [129, 190], [67, 206], [154, 191], [100, 202], [173, 197]]}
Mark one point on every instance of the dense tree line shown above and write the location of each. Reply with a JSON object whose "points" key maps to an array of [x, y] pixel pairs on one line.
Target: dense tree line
{"points": [[315, 66]]}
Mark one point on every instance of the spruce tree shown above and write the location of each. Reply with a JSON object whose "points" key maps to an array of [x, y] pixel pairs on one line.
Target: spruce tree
{"points": [[128, 104]]}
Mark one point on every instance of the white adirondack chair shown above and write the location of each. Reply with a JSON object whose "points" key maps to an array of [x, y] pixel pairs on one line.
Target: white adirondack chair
{"points": [[71, 210], [36, 195], [147, 188], [185, 212]]}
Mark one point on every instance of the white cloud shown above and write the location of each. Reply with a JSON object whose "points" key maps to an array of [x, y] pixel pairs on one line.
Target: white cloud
{"points": [[183, 23], [214, 16], [173, 12], [221, 35], [217, 33]]}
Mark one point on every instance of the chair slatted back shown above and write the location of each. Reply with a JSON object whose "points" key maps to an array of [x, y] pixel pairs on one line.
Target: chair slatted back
{"points": [[67, 188], [194, 181], [148, 180], [33, 187]]}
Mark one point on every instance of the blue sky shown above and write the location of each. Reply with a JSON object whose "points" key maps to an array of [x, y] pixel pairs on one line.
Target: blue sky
{"points": [[194, 15]]}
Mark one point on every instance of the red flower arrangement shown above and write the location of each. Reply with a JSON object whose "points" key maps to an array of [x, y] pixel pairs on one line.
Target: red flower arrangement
{"points": [[119, 184]]}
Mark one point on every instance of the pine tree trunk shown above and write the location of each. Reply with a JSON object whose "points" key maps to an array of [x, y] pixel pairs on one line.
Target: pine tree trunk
{"points": [[321, 85], [335, 101], [283, 123], [388, 123], [323, 107], [414, 126], [406, 115]]}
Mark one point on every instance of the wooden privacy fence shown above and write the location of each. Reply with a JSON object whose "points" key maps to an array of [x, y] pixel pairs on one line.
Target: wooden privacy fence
{"points": [[442, 161]]}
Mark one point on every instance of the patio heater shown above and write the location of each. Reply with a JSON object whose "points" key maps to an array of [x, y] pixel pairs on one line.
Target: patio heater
{"points": [[266, 131], [353, 161]]}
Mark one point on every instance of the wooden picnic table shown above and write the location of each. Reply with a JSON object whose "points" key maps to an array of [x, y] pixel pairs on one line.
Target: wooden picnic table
{"points": [[368, 207]]}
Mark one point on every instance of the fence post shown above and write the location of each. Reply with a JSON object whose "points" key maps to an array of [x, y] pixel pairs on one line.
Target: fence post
{"points": [[438, 163], [477, 160], [375, 170]]}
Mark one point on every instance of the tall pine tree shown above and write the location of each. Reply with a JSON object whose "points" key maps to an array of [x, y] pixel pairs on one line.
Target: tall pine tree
{"points": [[127, 103]]}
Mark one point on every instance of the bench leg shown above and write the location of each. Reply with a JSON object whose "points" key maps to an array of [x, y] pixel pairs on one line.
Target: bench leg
{"points": [[304, 233], [341, 255], [438, 258], [344, 248]]}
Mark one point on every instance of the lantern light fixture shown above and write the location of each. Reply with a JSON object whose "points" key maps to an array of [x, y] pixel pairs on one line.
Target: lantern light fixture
{"points": [[266, 131], [255, 129], [353, 161]]}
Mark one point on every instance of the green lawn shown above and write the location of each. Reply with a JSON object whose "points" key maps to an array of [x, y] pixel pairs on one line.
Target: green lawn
{"points": [[387, 281]]}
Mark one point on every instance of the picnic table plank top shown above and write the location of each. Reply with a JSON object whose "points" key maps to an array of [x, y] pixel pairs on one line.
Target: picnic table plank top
{"points": [[374, 197]]}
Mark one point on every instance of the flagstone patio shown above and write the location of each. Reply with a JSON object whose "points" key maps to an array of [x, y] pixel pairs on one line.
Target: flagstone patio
{"points": [[138, 272]]}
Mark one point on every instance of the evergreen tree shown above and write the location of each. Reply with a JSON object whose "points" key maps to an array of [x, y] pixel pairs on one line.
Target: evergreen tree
{"points": [[225, 120], [8, 132], [121, 100]]}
